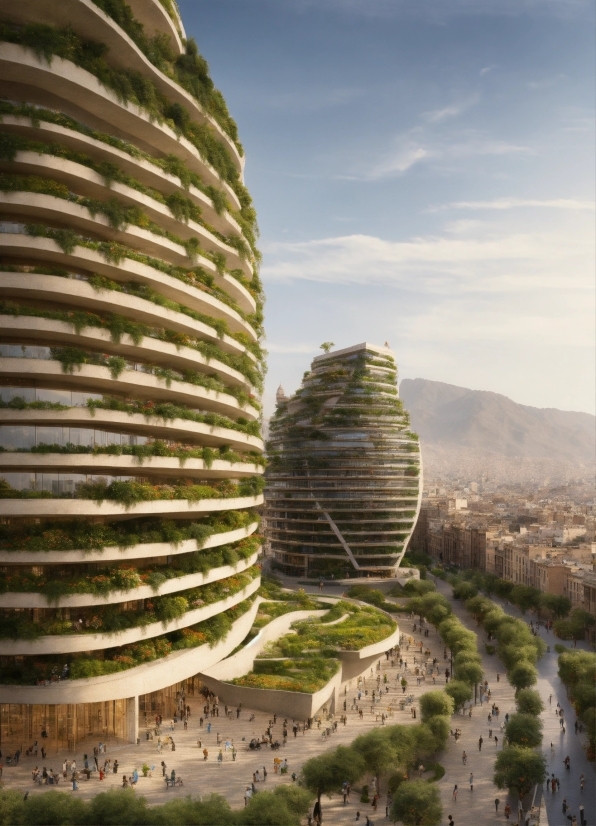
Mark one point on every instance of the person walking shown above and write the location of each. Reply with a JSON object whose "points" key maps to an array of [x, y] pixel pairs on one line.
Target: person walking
{"points": [[497, 801], [455, 793], [582, 816], [480, 742], [464, 757], [471, 782], [507, 811]]}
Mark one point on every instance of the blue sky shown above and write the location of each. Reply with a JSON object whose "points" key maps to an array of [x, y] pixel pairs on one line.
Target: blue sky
{"points": [[423, 172]]}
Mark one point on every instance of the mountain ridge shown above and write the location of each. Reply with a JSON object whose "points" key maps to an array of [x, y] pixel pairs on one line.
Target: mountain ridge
{"points": [[449, 418]]}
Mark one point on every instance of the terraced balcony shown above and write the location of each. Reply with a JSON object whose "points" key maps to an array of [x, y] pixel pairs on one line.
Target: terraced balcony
{"points": [[130, 369], [344, 475]]}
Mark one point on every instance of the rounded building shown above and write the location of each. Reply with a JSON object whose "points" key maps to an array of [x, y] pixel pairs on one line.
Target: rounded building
{"points": [[344, 478], [130, 371]]}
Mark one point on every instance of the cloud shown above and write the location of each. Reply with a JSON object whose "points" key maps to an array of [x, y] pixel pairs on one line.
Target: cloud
{"points": [[439, 115], [465, 257], [519, 203], [416, 146]]}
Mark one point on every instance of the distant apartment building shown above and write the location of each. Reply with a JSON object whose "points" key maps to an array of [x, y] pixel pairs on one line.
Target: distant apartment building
{"points": [[527, 557]]}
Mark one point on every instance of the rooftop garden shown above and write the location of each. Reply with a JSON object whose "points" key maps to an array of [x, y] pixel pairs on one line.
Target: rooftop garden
{"points": [[306, 658]]}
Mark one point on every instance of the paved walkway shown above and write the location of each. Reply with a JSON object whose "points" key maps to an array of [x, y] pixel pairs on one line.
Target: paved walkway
{"points": [[230, 778], [570, 743]]}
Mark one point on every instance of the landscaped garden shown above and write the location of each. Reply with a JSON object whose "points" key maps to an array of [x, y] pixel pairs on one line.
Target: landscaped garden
{"points": [[307, 658]]}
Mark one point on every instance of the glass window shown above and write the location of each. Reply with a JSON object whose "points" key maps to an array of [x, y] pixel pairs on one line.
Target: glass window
{"points": [[17, 438]]}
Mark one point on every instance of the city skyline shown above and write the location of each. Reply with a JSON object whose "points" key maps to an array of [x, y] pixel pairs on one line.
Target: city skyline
{"points": [[431, 171]]}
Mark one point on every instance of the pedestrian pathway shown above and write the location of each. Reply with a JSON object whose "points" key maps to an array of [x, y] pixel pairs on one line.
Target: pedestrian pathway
{"points": [[230, 777], [570, 743]]}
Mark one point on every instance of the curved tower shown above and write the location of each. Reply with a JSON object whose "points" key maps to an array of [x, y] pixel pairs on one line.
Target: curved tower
{"points": [[344, 476], [130, 370]]}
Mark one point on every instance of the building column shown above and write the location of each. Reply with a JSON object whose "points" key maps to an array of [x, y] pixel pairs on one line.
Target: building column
{"points": [[132, 719]]}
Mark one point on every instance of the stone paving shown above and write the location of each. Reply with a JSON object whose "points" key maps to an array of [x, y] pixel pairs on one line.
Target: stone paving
{"points": [[468, 808]]}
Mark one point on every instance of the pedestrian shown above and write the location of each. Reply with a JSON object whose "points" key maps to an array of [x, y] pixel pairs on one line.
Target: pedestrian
{"points": [[455, 793], [451, 821], [582, 817], [464, 757], [582, 780], [163, 769], [480, 742], [471, 782], [497, 801], [564, 806], [507, 811], [496, 741]]}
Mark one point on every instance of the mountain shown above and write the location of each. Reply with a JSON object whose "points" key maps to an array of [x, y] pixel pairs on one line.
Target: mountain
{"points": [[472, 424]]}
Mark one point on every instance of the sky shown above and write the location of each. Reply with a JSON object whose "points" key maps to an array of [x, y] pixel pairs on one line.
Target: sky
{"points": [[423, 173]]}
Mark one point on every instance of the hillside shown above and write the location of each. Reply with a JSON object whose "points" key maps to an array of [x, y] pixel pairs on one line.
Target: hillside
{"points": [[458, 426]]}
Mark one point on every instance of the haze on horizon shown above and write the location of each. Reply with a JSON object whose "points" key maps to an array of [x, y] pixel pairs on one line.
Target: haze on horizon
{"points": [[423, 174]]}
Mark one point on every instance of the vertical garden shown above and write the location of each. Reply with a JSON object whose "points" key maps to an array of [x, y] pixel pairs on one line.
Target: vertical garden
{"points": [[130, 369], [344, 475]]}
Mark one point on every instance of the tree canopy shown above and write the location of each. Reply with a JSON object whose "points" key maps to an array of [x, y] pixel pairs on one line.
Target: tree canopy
{"points": [[417, 803], [519, 769]]}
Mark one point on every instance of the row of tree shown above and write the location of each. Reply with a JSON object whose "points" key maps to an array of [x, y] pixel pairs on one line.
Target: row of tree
{"points": [[569, 624], [577, 670], [285, 806], [391, 751], [519, 767]]}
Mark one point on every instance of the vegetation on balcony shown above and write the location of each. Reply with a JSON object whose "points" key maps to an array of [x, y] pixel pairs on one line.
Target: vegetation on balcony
{"points": [[83, 535], [31, 670], [114, 253], [190, 70], [171, 164], [111, 619], [164, 411], [102, 581], [148, 450], [118, 325], [129, 87], [131, 493], [180, 206]]}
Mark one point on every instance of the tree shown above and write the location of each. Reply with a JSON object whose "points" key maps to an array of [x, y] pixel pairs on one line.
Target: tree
{"points": [[327, 345], [57, 809], [526, 597], [377, 751], [519, 769], [267, 809], [440, 727], [468, 672], [326, 773], [461, 692], [436, 702], [523, 675], [528, 701], [417, 803], [12, 808], [559, 606], [464, 591], [118, 807], [524, 730]]}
